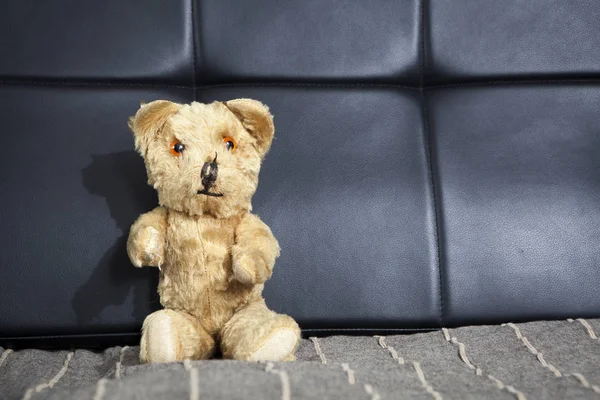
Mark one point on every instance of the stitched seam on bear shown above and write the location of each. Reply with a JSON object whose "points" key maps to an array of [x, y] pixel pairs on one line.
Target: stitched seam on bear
{"points": [[165, 244], [209, 317]]}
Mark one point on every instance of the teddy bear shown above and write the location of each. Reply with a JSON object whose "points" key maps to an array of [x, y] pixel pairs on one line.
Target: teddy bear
{"points": [[213, 254]]}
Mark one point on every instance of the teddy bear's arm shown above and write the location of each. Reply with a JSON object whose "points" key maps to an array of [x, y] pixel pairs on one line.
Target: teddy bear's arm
{"points": [[146, 243], [254, 251]]}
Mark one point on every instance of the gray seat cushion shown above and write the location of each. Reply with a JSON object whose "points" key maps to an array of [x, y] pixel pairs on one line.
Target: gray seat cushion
{"points": [[550, 360]]}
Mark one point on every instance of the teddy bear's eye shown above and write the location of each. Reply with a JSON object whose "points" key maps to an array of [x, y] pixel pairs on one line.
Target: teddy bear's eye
{"points": [[177, 148], [229, 143]]}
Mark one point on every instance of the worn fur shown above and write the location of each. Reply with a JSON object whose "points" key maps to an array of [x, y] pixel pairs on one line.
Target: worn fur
{"points": [[214, 255]]}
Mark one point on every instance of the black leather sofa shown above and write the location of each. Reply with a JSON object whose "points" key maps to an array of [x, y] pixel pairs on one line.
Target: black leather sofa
{"points": [[436, 163]]}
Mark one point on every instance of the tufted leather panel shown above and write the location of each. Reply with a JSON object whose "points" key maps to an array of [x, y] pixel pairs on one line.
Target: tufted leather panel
{"points": [[141, 40], [408, 188], [309, 40], [518, 172], [512, 39]]}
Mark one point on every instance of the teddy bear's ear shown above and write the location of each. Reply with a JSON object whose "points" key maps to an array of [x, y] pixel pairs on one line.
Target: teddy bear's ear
{"points": [[148, 120], [257, 120]]}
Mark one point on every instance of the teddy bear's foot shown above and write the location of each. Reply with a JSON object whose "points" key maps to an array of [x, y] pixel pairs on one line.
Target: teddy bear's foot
{"points": [[256, 333], [280, 346], [169, 336]]}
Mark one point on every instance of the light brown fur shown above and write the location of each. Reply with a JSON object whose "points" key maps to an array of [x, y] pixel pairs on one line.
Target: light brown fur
{"points": [[214, 255]]}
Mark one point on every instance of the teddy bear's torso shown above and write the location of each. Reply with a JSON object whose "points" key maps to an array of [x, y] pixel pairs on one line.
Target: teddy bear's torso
{"points": [[196, 276]]}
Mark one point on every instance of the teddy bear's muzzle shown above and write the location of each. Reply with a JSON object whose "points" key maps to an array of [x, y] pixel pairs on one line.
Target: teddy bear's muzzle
{"points": [[209, 173]]}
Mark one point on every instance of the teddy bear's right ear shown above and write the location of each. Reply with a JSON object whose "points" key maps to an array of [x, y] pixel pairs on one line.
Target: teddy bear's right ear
{"points": [[148, 120], [257, 120]]}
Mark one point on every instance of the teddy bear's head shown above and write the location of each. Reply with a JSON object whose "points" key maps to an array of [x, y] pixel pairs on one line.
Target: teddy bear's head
{"points": [[203, 158]]}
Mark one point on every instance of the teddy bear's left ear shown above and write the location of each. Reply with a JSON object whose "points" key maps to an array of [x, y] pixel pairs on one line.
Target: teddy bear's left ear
{"points": [[257, 120], [148, 120]]}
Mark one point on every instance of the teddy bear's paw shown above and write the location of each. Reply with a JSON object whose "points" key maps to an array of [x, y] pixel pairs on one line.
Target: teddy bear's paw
{"points": [[158, 343], [243, 271], [279, 346], [251, 269], [146, 248]]}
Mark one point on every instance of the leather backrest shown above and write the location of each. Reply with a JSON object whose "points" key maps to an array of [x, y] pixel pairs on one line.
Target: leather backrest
{"points": [[434, 162]]}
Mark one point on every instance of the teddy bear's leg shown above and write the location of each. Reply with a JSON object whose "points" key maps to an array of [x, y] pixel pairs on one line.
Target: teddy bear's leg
{"points": [[256, 333], [169, 335]]}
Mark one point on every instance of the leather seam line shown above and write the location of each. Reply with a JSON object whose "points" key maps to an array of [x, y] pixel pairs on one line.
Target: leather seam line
{"points": [[310, 84], [76, 83], [194, 55], [81, 336], [422, 43], [429, 153], [371, 330], [114, 84], [512, 82], [427, 136]]}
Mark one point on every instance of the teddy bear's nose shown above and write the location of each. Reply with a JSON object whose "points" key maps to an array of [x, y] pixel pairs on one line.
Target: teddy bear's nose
{"points": [[209, 173]]}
